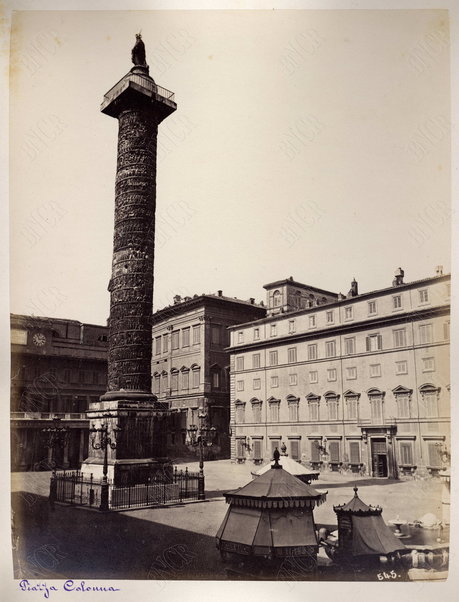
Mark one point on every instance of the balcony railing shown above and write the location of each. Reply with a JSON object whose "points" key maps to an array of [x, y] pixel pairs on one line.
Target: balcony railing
{"points": [[144, 82], [48, 415]]}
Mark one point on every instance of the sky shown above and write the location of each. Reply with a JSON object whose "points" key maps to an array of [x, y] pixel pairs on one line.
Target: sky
{"points": [[312, 144]]}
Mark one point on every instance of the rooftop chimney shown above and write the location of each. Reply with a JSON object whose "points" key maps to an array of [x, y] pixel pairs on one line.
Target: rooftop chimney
{"points": [[177, 299], [398, 280], [252, 300], [439, 270], [354, 289], [220, 293]]}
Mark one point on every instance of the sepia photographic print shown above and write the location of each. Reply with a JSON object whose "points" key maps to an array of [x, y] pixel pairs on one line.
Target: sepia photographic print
{"points": [[228, 346]]}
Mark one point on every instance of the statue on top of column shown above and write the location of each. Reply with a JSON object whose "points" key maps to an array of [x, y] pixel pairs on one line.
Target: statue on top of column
{"points": [[138, 52]]}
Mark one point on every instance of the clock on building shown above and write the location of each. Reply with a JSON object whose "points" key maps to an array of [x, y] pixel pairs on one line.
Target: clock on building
{"points": [[39, 339]]}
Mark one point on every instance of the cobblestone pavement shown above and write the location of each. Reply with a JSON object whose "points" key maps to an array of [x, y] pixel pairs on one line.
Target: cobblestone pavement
{"points": [[176, 542]]}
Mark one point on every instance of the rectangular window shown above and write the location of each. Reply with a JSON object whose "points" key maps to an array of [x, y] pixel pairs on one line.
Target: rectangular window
{"points": [[240, 385], [240, 413], [274, 412], [330, 317], [291, 326], [175, 339], [425, 333], [196, 334], [376, 411], [446, 331], [240, 336], [240, 363], [273, 358], [352, 408], [165, 343], [292, 355], [274, 381], [313, 411], [256, 411], [256, 360], [351, 373], [397, 301], [354, 452], [372, 308], [256, 383], [156, 385], [295, 449], [330, 349], [273, 330], [216, 334], [399, 337], [315, 452], [312, 351], [428, 364], [423, 296], [403, 406], [349, 346], [434, 455], [374, 342], [186, 337], [196, 378], [401, 367], [430, 403], [293, 412], [174, 381], [331, 374], [312, 321], [185, 380], [406, 453], [158, 345], [348, 313], [164, 383], [333, 450], [313, 377], [215, 379], [332, 410], [293, 379], [375, 370], [256, 334]]}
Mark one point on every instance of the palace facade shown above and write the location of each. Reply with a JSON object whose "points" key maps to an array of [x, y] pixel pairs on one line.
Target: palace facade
{"points": [[359, 382], [190, 364], [57, 368]]}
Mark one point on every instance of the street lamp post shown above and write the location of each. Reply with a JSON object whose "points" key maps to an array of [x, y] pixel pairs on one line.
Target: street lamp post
{"points": [[56, 436], [105, 441], [201, 437]]}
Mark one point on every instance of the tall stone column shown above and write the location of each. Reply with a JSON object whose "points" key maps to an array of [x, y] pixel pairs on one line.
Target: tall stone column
{"points": [[139, 105]]}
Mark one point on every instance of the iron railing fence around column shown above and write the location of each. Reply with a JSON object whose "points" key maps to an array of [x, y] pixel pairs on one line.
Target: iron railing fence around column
{"points": [[76, 488]]}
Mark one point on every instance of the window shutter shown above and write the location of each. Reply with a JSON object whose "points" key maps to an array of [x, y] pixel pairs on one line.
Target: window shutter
{"points": [[333, 449], [256, 449], [368, 344], [379, 341], [354, 452], [294, 450]]}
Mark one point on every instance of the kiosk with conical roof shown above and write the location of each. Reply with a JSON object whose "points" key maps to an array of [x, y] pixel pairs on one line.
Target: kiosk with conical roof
{"points": [[270, 519], [362, 532]]}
